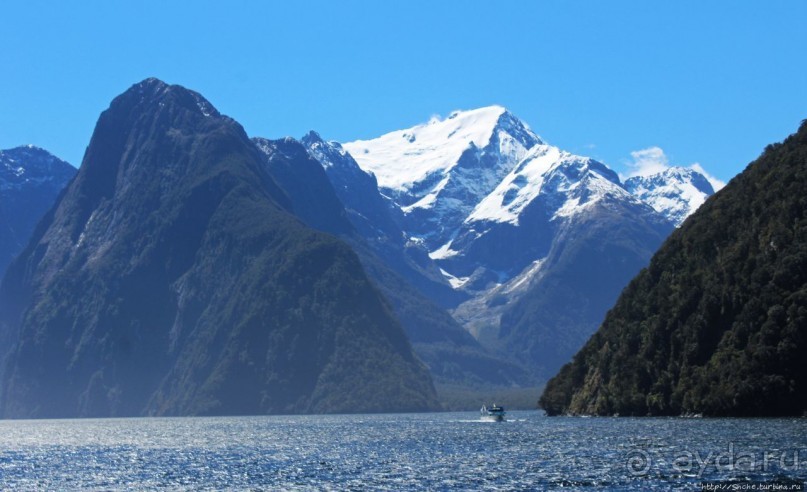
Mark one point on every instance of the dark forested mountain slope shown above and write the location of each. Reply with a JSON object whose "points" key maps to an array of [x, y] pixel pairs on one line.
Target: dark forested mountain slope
{"points": [[717, 324], [451, 353], [172, 279]]}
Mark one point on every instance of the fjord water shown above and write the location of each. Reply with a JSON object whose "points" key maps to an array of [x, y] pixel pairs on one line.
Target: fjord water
{"points": [[437, 451]]}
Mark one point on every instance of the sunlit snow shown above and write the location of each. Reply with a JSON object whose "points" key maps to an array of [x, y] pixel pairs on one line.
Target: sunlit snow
{"points": [[676, 192], [443, 252], [456, 282], [404, 157]]}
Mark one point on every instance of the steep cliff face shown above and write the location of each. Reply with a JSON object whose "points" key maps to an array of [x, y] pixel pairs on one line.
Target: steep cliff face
{"points": [[538, 241], [451, 353], [378, 221], [172, 279], [717, 324]]}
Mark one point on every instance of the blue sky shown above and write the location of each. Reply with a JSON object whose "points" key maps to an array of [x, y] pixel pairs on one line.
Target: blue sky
{"points": [[704, 82]]}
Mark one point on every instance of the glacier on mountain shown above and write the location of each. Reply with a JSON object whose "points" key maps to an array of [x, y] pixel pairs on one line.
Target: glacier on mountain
{"points": [[675, 192], [539, 241], [487, 166], [437, 172]]}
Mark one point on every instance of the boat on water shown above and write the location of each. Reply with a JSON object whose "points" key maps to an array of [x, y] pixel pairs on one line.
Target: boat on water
{"points": [[492, 414]]}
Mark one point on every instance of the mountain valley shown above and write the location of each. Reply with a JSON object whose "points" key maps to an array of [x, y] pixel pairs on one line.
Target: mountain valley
{"points": [[496, 254]]}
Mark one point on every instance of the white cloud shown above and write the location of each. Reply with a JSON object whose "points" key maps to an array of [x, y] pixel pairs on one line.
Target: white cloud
{"points": [[716, 183], [653, 160]]}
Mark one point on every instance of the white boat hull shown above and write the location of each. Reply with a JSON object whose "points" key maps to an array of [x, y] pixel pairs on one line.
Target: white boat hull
{"points": [[492, 414]]}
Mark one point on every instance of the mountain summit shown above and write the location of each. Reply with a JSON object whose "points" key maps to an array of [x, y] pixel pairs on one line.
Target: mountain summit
{"points": [[172, 278], [30, 180], [539, 241], [675, 192], [436, 172]]}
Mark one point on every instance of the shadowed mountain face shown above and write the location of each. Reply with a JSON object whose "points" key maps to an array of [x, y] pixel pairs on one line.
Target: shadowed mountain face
{"points": [[30, 180], [591, 257], [717, 324], [375, 218], [171, 278], [538, 241], [450, 352]]}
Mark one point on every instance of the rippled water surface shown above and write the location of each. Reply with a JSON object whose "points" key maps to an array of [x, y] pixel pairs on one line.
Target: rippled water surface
{"points": [[444, 451]]}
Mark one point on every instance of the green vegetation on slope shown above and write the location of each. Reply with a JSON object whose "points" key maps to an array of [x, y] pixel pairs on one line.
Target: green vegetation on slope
{"points": [[717, 324], [171, 279]]}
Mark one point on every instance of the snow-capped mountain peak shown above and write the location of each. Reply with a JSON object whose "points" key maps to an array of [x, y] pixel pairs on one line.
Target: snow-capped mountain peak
{"points": [[329, 154], [535, 242], [30, 180], [402, 159], [546, 169], [675, 192], [31, 164], [438, 171]]}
